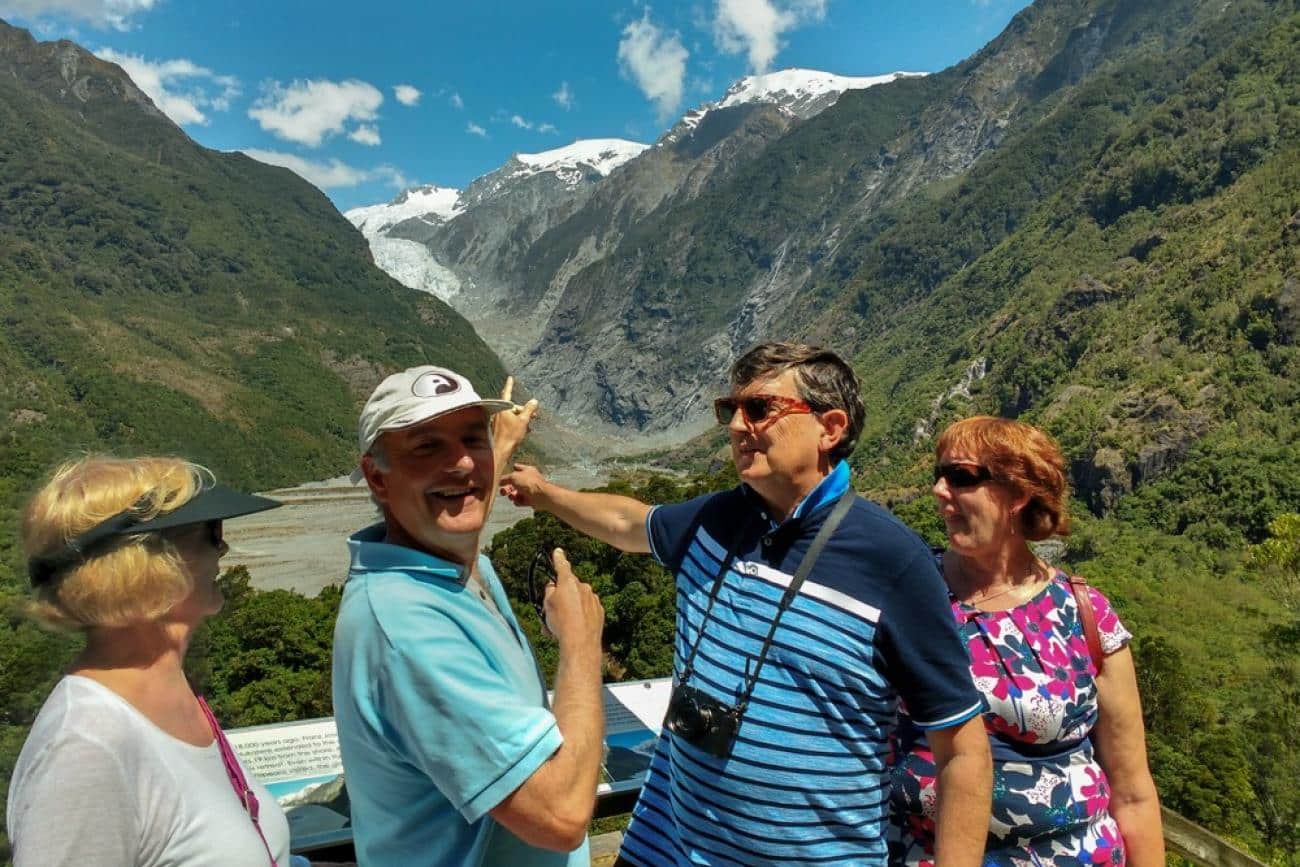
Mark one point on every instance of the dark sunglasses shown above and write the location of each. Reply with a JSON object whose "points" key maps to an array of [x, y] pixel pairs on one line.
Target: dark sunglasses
{"points": [[540, 573], [758, 408], [212, 531], [962, 475]]}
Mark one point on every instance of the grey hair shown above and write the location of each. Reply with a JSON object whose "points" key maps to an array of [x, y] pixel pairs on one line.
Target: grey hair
{"points": [[379, 454], [825, 381]]}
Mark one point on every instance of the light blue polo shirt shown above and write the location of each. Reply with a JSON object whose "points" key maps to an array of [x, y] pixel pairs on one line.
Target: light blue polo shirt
{"points": [[441, 711]]}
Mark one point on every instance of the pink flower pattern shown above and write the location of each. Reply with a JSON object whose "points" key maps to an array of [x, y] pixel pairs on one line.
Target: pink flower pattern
{"points": [[1050, 796]]}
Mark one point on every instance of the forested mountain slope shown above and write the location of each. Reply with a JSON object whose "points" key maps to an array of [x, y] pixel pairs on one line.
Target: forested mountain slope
{"points": [[1126, 273], [817, 225], [157, 295]]}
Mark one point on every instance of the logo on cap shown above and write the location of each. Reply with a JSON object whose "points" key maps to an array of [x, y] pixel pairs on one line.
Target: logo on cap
{"points": [[433, 385]]}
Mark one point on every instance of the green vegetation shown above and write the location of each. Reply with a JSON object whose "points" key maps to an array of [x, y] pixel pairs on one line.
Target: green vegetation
{"points": [[266, 658], [639, 596]]}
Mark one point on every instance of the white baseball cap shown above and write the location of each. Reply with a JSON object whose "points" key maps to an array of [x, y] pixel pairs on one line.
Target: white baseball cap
{"points": [[416, 395]]}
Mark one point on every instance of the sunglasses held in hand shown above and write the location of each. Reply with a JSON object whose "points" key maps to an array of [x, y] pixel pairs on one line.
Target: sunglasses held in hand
{"points": [[541, 572], [757, 409]]}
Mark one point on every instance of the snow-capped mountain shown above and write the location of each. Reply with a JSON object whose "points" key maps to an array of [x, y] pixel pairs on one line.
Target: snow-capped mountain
{"points": [[404, 233], [407, 261], [795, 89], [802, 92], [585, 159], [410, 237], [504, 248], [565, 168], [432, 204], [601, 155]]}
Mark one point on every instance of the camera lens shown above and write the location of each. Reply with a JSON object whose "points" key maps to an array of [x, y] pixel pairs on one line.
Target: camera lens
{"points": [[692, 721]]}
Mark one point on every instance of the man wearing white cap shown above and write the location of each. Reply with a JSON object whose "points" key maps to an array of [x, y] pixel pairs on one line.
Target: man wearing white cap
{"points": [[451, 752]]}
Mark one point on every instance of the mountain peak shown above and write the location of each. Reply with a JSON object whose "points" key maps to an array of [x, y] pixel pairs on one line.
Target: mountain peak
{"points": [[797, 87], [602, 155], [430, 203], [801, 92]]}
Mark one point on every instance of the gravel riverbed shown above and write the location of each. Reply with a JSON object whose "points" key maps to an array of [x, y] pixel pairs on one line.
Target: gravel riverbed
{"points": [[303, 544]]}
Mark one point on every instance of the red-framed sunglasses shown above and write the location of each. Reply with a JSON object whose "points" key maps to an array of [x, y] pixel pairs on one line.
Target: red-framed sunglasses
{"points": [[962, 475], [757, 409]]}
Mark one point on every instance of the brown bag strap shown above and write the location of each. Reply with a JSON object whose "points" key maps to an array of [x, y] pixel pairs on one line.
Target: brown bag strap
{"points": [[1083, 600]]}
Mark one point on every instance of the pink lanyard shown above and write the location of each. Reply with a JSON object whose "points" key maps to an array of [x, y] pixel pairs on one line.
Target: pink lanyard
{"points": [[236, 775]]}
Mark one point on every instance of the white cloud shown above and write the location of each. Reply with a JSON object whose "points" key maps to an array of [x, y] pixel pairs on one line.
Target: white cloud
{"points": [[520, 122], [475, 129], [548, 128], [455, 100], [656, 62], [116, 14], [407, 94], [180, 88], [366, 134], [308, 112], [332, 173], [755, 27], [563, 97]]}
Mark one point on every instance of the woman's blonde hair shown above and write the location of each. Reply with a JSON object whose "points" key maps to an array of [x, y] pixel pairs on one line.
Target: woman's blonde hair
{"points": [[135, 580], [1024, 457]]}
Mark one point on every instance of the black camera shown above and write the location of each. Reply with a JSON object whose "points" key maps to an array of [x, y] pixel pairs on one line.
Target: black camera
{"points": [[700, 719]]}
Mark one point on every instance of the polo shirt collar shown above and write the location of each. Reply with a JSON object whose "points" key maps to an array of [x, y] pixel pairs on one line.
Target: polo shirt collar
{"points": [[827, 491], [370, 553]]}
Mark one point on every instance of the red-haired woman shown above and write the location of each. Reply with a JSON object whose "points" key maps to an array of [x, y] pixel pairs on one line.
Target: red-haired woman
{"points": [[1071, 784]]}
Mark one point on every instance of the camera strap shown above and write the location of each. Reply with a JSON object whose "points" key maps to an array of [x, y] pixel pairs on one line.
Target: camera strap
{"points": [[814, 551], [833, 520], [688, 668]]}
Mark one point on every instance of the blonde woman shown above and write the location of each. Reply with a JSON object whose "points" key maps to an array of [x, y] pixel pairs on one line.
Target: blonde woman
{"points": [[124, 764]]}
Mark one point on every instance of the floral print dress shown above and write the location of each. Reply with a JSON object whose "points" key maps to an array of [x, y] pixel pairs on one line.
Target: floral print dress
{"points": [[1050, 796]]}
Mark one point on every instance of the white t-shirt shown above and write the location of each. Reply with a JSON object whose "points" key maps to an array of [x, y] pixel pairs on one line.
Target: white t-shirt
{"points": [[97, 783]]}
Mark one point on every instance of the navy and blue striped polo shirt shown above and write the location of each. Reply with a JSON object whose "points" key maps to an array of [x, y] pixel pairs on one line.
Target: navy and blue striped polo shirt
{"points": [[806, 781]]}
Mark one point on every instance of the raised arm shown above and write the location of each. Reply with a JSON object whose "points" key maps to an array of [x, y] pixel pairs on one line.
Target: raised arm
{"points": [[613, 519], [509, 428], [965, 784], [553, 807], [1122, 751]]}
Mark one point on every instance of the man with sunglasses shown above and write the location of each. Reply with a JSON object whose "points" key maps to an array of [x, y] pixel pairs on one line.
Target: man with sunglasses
{"points": [[804, 614], [452, 753]]}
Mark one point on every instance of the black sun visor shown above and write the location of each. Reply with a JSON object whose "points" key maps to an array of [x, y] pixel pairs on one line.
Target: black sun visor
{"points": [[215, 503]]}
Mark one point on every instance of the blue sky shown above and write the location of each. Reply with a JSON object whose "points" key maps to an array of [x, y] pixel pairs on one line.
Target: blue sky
{"points": [[366, 98]]}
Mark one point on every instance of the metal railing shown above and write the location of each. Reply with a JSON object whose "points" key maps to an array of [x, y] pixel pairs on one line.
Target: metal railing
{"points": [[1182, 837], [1200, 845]]}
